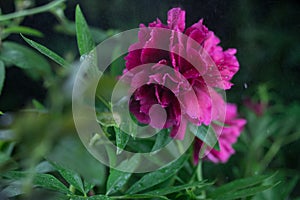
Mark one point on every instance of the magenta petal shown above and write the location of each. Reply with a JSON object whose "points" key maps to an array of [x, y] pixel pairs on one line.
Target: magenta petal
{"points": [[139, 78], [178, 131], [198, 32], [133, 59], [196, 151], [211, 42], [225, 61], [158, 116], [191, 109], [197, 61], [177, 53], [153, 49], [157, 24], [205, 104], [176, 19], [227, 135], [134, 107], [163, 96], [231, 111]]}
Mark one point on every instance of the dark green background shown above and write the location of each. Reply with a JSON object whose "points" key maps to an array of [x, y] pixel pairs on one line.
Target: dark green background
{"points": [[266, 34]]}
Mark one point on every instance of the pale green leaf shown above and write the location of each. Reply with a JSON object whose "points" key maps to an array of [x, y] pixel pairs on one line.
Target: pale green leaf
{"points": [[172, 189], [21, 56], [244, 193], [205, 134], [46, 181], [117, 179], [162, 139], [122, 139], [156, 177], [238, 185], [37, 105], [47, 52], [84, 38], [71, 177]]}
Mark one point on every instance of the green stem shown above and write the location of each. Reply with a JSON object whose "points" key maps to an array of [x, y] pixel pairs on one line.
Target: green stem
{"points": [[275, 148], [199, 171], [32, 11], [291, 138], [271, 154], [104, 102], [200, 178]]}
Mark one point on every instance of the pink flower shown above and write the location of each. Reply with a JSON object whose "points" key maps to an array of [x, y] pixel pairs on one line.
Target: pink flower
{"points": [[170, 90], [190, 98], [226, 62], [227, 137], [258, 108]]}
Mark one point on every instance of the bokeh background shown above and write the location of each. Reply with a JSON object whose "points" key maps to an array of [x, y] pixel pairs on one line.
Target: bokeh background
{"points": [[266, 35]]}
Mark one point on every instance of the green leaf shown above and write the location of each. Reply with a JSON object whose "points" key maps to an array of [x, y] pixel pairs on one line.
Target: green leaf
{"points": [[44, 167], [46, 181], [99, 197], [2, 75], [162, 139], [13, 189], [15, 54], [220, 123], [49, 182], [144, 196], [84, 38], [239, 184], [244, 193], [22, 29], [117, 179], [121, 139], [78, 159], [87, 186], [95, 197], [47, 52], [7, 135], [172, 189], [206, 134], [118, 63], [289, 186], [37, 105], [7, 163], [71, 177], [156, 177]]}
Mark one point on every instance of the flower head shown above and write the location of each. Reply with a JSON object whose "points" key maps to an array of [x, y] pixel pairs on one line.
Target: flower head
{"points": [[187, 92], [227, 137], [258, 107]]}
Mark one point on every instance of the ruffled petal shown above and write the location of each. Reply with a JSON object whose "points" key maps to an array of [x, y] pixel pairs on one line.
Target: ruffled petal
{"points": [[176, 19]]}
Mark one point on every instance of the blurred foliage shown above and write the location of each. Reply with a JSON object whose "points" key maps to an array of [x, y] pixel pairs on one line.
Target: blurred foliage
{"points": [[38, 142]]}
